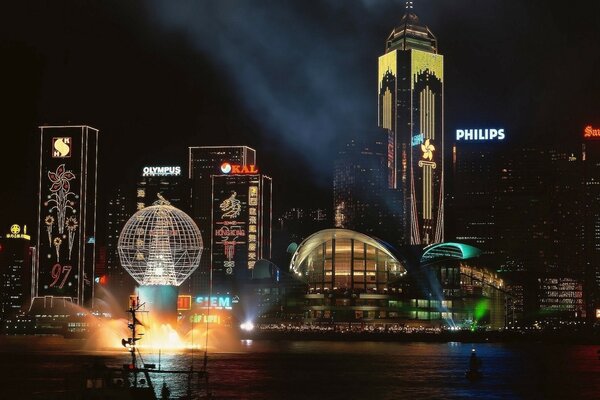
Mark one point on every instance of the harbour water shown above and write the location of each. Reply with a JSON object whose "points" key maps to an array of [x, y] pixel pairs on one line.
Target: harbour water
{"points": [[48, 367]]}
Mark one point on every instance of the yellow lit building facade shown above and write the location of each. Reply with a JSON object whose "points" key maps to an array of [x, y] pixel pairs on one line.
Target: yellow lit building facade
{"points": [[411, 111]]}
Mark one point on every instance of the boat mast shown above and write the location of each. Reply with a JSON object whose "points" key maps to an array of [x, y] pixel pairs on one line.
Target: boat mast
{"points": [[134, 306]]}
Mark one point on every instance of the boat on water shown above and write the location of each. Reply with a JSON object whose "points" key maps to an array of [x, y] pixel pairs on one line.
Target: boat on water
{"points": [[474, 372], [134, 380]]}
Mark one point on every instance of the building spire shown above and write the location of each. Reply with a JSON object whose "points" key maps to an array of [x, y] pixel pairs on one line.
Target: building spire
{"points": [[409, 6]]}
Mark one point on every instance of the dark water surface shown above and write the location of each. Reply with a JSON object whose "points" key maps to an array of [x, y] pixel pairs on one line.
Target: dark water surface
{"points": [[326, 370]]}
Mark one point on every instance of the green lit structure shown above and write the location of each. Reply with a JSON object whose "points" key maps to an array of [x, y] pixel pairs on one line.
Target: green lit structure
{"points": [[355, 278]]}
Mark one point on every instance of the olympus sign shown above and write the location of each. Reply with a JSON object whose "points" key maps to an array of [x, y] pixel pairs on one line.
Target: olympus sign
{"points": [[161, 171], [479, 134]]}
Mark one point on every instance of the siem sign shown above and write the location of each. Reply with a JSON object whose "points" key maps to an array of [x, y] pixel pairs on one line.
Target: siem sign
{"points": [[479, 134], [214, 302], [591, 133], [234, 169]]}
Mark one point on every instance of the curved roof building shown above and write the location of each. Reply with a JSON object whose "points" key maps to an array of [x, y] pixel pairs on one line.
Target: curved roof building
{"points": [[447, 251], [353, 277], [341, 259]]}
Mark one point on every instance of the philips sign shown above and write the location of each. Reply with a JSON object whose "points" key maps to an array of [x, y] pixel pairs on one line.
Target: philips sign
{"points": [[161, 171], [479, 134]]}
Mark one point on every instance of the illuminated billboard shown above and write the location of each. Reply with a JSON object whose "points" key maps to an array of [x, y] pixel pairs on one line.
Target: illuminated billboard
{"points": [[16, 233], [230, 224], [67, 212], [241, 225], [591, 133], [237, 169], [215, 302], [161, 171], [473, 135]]}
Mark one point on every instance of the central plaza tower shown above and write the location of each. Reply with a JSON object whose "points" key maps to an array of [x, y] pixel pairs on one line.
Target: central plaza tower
{"points": [[411, 110]]}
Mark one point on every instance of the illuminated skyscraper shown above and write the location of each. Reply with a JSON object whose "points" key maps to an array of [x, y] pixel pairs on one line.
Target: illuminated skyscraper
{"points": [[16, 257], [411, 110], [362, 200], [241, 226], [591, 221], [170, 182], [205, 161], [118, 212], [67, 212]]}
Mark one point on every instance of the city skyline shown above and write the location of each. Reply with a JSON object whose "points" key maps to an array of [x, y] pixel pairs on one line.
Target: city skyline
{"points": [[191, 109], [328, 199]]}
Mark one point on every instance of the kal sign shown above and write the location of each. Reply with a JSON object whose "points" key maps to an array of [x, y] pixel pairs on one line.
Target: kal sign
{"points": [[472, 135], [591, 133], [161, 171], [235, 169]]}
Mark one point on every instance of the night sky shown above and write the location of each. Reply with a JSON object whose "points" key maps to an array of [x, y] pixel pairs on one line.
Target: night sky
{"points": [[291, 79]]}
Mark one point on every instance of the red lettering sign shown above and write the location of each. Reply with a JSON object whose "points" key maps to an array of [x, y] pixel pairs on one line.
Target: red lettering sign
{"points": [[237, 169], [184, 302], [591, 133]]}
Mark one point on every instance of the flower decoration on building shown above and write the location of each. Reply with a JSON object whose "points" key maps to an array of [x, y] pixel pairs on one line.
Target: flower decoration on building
{"points": [[427, 148], [57, 243], [49, 221], [71, 225], [60, 191]]}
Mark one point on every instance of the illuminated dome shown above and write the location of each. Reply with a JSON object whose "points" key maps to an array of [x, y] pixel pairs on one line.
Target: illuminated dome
{"points": [[160, 245], [448, 250], [341, 259]]}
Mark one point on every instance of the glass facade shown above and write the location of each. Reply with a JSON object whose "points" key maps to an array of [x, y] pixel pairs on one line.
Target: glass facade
{"points": [[341, 260], [353, 277]]}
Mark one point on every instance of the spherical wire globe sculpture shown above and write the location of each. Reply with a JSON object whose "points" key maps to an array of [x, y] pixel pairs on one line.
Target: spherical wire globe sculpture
{"points": [[160, 245]]}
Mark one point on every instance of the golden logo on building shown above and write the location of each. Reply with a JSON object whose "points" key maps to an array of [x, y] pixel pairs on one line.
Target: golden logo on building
{"points": [[61, 147], [15, 232], [427, 148]]}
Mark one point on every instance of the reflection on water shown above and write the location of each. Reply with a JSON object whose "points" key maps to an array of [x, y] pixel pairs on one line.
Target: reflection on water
{"points": [[331, 370]]}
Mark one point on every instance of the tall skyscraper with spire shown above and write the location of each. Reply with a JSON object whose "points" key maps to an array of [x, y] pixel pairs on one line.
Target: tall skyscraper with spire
{"points": [[411, 110]]}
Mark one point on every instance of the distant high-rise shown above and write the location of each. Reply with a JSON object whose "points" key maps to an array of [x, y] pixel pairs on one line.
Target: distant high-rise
{"points": [[16, 256], [591, 220], [523, 207], [411, 110], [67, 212], [362, 200], [204, 162], [471, 212], [118, 212], [168, 181]]}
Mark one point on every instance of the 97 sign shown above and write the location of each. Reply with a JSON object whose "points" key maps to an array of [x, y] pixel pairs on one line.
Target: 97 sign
{"points": [[58, 271]]}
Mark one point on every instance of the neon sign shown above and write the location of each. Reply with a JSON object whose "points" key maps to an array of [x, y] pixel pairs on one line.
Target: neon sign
{"points": [[417, 139], [161, 171], [479, 134], [61, 147], [184, 302], [15, 233], [591, 133], [235, 169], [252, 225], [205, 319], [216, 302], [231, 207]]}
